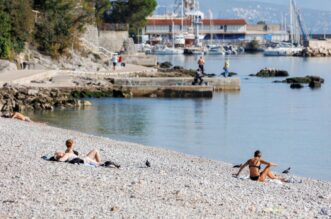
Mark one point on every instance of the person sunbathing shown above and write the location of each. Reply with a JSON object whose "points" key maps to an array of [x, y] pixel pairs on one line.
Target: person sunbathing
{"points": [[92, 158], [254, 165], [17, 115], [70, 147]]}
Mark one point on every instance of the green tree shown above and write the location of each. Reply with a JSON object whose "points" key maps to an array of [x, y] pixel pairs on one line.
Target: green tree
{"points": [[5, 28], [101, 6], [22, 22], [16, 25], [60, 24], [134, 12]]}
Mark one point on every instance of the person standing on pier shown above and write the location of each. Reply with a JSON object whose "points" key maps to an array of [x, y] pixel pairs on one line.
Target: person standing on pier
{"points": [[201, 63], [226, 68]]}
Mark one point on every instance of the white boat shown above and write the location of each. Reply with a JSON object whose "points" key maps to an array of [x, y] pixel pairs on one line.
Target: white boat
{"points": [[282, 51], [158, 50], [155, 40], [179, 40], [215, 50], [198, 52]]}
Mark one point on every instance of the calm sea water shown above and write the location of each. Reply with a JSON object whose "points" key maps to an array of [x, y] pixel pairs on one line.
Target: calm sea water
{"points": [[290, 127]]}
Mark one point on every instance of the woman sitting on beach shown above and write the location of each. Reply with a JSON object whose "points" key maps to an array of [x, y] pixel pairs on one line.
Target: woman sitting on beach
{"points": [[254, 165]]}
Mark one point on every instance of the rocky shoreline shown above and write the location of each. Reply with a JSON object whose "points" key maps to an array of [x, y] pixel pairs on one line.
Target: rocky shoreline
{"points": [[314, 52], [175, 186], [21, 98]]}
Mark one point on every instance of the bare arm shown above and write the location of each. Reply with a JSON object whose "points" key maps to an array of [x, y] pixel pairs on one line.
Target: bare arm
{"points": [[267, 163], [242, 167]]}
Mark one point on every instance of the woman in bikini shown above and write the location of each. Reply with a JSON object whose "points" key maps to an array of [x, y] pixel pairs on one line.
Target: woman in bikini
{"points": [[254, 165]]}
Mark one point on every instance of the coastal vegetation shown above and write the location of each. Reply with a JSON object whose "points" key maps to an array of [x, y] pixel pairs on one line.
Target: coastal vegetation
{"points": [[16, 25], [133, 12], [53, 26]]}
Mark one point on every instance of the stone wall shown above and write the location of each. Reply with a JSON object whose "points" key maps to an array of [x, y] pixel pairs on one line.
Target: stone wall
{"points": [[113, 40], [145, 60], [316, 44], [91, 35], [6, 65]]}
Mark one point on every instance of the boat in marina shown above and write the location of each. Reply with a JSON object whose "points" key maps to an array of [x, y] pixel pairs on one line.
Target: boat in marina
{"points": [[194, 51], [179, 40], [298, 36], [282, 49], [215, 50], [155, 40], [164, 50]]}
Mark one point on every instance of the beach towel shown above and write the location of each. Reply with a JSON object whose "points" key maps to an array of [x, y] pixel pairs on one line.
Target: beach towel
{"points": [[79, 161]]}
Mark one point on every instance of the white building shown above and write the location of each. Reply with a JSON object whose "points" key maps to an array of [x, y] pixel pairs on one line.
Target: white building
{"points": [[216, 29]]}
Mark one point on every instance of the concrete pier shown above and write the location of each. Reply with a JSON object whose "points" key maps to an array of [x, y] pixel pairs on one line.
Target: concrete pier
{"points": [[164, 91], [216, 83]]}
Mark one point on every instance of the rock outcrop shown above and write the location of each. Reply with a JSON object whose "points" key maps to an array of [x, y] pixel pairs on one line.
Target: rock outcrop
{"points": [[304, 80], [7, 66], [270, 72], [297, 82], [19, 98], [314, 52], [296, 86]]}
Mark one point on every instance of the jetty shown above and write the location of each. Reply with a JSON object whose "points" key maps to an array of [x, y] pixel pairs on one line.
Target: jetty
{"points": [[49, 89]]}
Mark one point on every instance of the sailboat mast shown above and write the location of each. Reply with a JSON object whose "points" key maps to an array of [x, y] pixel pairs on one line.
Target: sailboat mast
{"points": [[182, 14], [173, 34], [291, 22]]}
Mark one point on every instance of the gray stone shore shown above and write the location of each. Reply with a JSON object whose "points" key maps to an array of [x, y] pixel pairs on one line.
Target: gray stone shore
{"points": [[175, 186]]}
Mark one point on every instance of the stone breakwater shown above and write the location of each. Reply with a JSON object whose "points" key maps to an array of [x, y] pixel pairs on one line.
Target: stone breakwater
{"points": [[20, 98], [175, 186], [314, 52]]}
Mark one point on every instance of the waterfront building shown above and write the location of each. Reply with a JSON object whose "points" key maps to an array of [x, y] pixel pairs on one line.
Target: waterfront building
{"points": [[217, 29], [266, 32], [220, 30]]}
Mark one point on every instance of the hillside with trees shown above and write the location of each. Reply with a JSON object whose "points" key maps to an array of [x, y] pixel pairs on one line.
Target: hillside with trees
{"points": [[53, 26]]}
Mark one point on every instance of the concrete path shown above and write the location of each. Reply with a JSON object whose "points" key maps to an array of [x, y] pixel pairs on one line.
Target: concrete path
{"points": [[26, 76], [22, 76]]}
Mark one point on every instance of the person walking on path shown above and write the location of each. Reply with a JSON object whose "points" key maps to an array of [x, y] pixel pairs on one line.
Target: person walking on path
{"points": [[226, 68], [114, 61], [120, 60], [201, 63]]}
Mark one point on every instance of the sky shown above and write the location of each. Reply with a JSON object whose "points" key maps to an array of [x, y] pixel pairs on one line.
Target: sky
{"points": [[312, 4]]}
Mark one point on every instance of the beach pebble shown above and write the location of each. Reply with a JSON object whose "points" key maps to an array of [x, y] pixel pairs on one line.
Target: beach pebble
{"points": [[177, 185]]}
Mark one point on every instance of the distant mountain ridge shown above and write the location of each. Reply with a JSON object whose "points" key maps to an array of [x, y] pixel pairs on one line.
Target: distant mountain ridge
{"points": [[316, 21]]}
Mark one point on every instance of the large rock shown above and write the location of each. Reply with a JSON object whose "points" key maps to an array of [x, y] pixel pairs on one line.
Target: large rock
{"points": [[296, 86], [315, 84], [304, 80], [165, 65], [7, 66], [268, 72]]}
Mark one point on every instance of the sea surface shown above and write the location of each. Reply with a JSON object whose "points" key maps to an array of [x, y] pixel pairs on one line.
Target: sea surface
{"points": [[291, 127]]}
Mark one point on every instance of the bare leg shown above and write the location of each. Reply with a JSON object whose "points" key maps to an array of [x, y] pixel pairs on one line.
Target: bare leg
{"points": [[267, 173], [271, 175], [264, 173], [95, 155]]}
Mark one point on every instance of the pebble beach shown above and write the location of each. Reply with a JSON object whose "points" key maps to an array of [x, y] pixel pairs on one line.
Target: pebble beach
{"points": [[175, 186]]}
